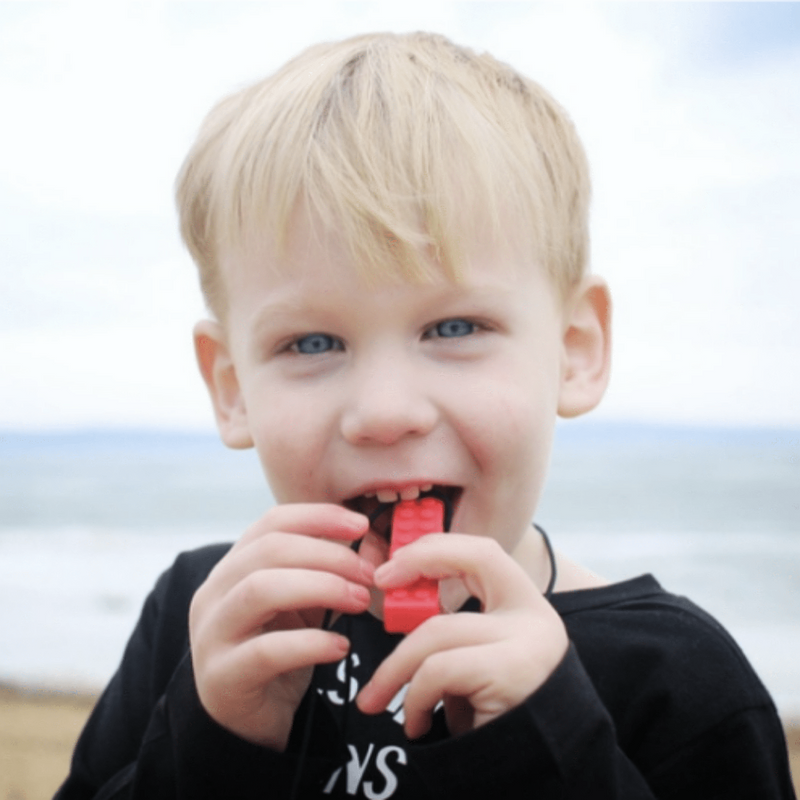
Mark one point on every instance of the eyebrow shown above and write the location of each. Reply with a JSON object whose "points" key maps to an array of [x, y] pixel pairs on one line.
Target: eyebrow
{"points": [[300, 303], [285, 309], [265, 314]]}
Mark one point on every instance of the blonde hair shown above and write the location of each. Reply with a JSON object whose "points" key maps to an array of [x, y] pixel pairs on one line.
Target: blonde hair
{"points": [[407, 144]]}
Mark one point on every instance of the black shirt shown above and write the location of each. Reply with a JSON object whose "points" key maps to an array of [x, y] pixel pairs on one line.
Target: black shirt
{"points": [[653, 700]]}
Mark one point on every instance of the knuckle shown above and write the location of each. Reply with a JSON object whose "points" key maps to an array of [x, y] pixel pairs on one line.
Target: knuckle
{"points": [[263, 652], [211, 683], [251, 591], [196, 607], [437, 627], [436, 669], [490, 548], [271, 518], [274, 549]]}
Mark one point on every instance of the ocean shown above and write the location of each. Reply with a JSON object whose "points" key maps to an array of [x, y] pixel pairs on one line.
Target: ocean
{"points": [[88, 520]]}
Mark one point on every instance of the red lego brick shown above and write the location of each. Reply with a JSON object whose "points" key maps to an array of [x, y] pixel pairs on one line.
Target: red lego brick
{"points": [[409, 606]]}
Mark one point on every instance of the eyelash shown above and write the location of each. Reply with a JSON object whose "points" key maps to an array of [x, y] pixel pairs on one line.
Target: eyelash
{"points": [[295, 346], [432, 332]]}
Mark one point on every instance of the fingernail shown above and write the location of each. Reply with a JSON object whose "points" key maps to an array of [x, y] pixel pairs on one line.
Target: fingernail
{"points": [[358, 522], [384, 574], [383, 570], [362, 700]]}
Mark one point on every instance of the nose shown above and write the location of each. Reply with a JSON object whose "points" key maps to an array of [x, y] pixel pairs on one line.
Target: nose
{"points": [[388, 403]]}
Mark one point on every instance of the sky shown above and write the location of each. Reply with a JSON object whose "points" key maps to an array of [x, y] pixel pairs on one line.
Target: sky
{"points": [[690, 114]]}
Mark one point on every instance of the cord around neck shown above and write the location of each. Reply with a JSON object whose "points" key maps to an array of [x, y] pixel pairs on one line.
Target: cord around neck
{"points": [[552, 558]]}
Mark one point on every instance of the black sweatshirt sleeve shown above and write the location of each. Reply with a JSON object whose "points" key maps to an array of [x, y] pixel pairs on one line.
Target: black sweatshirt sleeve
{"points": [[570, 749], [149, 736], [562, 743]]}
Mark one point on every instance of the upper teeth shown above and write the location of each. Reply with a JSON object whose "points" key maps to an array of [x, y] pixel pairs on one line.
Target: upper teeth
{"points": [[409, 493]]}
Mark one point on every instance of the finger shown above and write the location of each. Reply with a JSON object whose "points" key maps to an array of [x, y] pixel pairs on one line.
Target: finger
{"points": [[531, 644], [232, 685], [489, 573], [261, 659], [255, 601], [288, 550], [437, 634], [318, 520], [467, 672]]}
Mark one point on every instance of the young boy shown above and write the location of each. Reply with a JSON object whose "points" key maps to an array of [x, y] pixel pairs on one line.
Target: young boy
{"points": [[391, 234]]}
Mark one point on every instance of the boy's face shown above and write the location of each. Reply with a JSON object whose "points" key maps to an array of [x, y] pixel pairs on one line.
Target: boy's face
{"points": [[348, 389]]}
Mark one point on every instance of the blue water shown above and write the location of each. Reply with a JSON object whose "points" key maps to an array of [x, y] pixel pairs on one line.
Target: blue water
{"points": [[88, 520]]}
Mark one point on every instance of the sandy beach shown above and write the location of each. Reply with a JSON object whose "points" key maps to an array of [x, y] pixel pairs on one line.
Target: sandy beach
{"points": [[37, 733], [38, 730]]}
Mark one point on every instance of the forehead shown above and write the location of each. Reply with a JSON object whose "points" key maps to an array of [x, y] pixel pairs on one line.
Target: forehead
{"points": [[312, 253]]}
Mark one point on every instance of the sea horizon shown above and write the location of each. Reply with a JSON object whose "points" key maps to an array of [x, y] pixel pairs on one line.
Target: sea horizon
{"points": [[90, 517]]}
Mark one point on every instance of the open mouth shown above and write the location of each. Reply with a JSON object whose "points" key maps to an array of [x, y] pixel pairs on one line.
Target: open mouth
{"points": [[378, 506]]}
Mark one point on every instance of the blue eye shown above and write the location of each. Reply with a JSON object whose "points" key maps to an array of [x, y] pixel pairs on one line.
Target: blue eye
{"points": [[452, 328], [315, 344]]}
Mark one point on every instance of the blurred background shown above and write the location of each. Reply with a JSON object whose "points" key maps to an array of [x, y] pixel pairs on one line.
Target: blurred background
{"points": [[109, 463]]}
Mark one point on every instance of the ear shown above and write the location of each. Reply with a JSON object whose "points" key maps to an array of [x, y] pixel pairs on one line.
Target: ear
{"points": [[219, 374], [586, 358]]}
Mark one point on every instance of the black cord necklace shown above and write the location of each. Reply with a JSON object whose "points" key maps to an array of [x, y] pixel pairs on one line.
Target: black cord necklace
{"points": [[552, 556]]}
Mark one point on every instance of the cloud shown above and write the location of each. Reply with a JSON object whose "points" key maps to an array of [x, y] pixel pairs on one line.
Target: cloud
{"points": [[692, 143]]}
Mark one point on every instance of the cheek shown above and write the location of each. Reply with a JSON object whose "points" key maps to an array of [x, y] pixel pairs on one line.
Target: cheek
{"points": [[511, 423], [289, 437], [521, 443], [511, 443]]}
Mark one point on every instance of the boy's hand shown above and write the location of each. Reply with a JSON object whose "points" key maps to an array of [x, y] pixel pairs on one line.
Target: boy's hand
{"points": [[255, 623], [481, 665]]}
